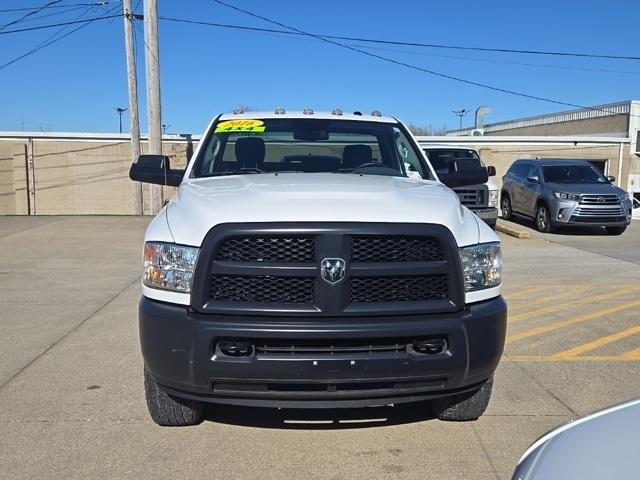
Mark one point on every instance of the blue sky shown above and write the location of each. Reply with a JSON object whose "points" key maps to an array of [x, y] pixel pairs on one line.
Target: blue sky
{"points": [[75, 84]]}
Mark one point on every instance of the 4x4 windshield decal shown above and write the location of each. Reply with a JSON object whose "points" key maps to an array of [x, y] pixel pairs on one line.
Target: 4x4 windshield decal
{"points": [[245, 125]]}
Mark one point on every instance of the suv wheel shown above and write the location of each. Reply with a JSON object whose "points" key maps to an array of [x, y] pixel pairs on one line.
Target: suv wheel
{"points": [[616, 230], [168, 411], [543, 220], [467, 406], [505, 206]]}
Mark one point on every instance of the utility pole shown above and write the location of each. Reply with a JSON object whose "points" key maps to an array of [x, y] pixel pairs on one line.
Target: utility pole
{"points": [[120, 111], [460, 113], [132, 81], [153, 91]]}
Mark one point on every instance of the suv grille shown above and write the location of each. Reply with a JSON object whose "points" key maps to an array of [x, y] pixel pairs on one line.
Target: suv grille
{"points": [[605, 199], [262, 289], [294, 249], [398, 289], [276, 269], [395, 249]]}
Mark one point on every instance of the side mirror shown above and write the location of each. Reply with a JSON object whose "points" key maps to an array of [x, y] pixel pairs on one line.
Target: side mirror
{"points": [[533, 179], [155, 169], [491, 171], [611, 178]]}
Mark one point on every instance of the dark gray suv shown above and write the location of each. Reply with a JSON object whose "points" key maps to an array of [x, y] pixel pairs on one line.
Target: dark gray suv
{"points": [[559, 192]]}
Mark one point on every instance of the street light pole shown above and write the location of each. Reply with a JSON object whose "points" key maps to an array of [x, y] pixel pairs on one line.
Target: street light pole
{"points": [[120, 111], [460, 114]]}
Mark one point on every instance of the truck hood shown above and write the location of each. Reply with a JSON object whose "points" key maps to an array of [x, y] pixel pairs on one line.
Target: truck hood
{"points": [[202, 203], [588, 188]]}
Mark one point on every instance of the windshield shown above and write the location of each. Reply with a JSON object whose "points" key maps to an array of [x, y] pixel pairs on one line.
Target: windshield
{"points": [[466, 160], [250, 146], [573, 174]]}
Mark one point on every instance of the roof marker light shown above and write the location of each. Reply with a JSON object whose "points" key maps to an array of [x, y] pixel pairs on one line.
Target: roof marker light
{"points": [[376, 113], [279, 111], [336, 111], [357, 113], [308, 111], [238, 110]]}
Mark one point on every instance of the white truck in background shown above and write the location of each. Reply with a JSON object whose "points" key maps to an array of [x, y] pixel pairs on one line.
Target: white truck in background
{"points": [[481, 199]]}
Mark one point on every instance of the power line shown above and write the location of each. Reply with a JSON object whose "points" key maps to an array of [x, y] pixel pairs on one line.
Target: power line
{"points": [[411, 66], [24, 9], [52, 39], [55, 13], [53, 25], [33, 12], [483, 60], [406, 44]]}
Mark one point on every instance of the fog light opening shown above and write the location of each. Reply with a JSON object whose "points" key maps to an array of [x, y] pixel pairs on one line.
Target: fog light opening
{"points": [[430, 346], [235, 348]]}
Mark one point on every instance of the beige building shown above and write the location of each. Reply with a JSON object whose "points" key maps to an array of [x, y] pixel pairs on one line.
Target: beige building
{"points": [[46, 173], [607, 135]]}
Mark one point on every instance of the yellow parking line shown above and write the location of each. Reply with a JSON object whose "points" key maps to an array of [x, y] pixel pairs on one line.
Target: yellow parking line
{"points": [[572, 321], [586, 358], [587, 347], [573, 291], [561, 306], [527, 291], [632, 354]]}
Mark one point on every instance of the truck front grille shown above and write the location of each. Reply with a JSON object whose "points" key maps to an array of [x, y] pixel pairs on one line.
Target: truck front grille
{"points": [[276, 269], [286, 249], [261, 289], [395, 249], [398, 289]]}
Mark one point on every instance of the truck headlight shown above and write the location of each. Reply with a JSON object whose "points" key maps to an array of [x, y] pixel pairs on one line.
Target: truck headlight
{"points": [[567, 196], [169, 266], [493, 198], [624, 196], [481, 266]]}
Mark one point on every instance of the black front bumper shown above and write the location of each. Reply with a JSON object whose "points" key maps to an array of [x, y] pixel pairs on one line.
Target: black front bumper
{"points": [[179, 345]]}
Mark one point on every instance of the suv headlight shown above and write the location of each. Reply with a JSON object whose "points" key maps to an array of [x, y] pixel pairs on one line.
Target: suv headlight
{"points": [[567, 196], [493, 198], [481, 266], [624, 196], [169, 266]]}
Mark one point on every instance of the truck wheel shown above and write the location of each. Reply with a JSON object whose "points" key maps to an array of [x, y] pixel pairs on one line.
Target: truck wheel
{"points": [[467, 406], [505, 206], [543, 219], [168, 411], [616, 230]]}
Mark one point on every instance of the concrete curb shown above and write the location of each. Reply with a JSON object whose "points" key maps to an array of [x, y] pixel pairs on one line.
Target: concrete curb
{"points": [[509, 230]]}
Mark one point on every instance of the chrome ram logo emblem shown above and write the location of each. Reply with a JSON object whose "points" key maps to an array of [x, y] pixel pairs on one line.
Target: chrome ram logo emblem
{"points": [[333, 270]]}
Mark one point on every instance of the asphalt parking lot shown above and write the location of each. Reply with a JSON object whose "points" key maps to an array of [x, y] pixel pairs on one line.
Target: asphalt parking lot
{"points": [[71, 371]]}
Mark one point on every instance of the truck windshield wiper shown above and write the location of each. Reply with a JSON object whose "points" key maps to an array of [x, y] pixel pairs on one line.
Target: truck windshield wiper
{"points": [[239, 171]]}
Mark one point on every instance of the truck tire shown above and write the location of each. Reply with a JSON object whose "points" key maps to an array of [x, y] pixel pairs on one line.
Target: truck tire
{"points": [[616, 230], [467, 406], [168, 411], [505, 206]]}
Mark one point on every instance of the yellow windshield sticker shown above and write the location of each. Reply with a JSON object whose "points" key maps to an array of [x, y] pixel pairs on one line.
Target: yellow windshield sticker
{"points": [[245, 125]]}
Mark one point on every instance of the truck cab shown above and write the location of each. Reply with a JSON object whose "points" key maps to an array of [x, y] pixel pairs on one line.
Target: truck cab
{"points": [[481, 199], [315, 260]]}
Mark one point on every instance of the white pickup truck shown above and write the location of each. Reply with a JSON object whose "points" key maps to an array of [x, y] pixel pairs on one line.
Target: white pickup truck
{"points": [[315, 260]]}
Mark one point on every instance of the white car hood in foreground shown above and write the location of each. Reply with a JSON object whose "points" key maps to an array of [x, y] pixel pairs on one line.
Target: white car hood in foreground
{"points": [[200, 204]]}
